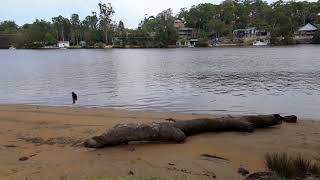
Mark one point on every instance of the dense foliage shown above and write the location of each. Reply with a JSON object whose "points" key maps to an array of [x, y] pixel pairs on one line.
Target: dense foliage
{"points": [[280, 18], [94, 29], [209, 20], [316, 38]]}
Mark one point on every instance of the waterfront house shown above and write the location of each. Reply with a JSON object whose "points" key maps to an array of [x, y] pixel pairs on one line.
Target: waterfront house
{"points": [[63, 44], [187, 43], [185, 34], [250, 35], [307, 30], [193, 42], [251, 32], [305, 34], [244, 33]]}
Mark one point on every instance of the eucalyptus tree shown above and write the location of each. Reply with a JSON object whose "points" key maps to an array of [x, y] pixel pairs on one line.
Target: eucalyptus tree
{"points": [[121, 26], [62, 26], [106, 12], [75, 28], [89, 29]]}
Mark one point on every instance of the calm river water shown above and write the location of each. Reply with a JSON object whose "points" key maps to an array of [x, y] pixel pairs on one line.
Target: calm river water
{"points": [[212, 81]]}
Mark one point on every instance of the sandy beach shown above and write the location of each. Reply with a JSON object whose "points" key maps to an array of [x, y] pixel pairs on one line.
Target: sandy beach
{"points": [[51, 139]]}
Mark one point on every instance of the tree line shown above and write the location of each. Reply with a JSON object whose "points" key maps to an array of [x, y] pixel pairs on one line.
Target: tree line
{"points": [[95, 28], [280, 18]]}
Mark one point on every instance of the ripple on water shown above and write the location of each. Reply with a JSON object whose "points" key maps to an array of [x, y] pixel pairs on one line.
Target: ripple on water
{"points": [[232, 80]]}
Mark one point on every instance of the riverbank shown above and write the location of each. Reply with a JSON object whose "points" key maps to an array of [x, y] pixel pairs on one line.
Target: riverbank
{"points": [[50, 138]]}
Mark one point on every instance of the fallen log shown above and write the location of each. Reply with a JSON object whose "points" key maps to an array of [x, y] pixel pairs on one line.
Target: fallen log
{"points": [[197, 126], [178, 131], [290, 119], [263, 121], [125, 133]]}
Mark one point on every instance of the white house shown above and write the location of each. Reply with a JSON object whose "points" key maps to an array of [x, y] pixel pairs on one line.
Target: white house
{"points": [[307, 30], [305, 34], [63, 44]]}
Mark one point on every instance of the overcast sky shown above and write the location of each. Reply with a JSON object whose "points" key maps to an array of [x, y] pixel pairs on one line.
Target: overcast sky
{"points": [[130, 11]]}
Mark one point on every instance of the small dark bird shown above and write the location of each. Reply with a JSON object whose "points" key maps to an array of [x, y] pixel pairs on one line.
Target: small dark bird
{"points": [[74, 97]]}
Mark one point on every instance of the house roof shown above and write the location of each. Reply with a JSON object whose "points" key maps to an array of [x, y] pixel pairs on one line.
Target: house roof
{"points": [[308, 27]]}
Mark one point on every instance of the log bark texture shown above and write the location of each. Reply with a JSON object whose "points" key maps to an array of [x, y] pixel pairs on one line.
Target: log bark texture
{"points": [[125, 133], [178, 131]]}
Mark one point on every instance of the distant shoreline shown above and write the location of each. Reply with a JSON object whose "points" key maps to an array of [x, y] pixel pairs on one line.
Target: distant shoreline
{"points": [[213, 47]]}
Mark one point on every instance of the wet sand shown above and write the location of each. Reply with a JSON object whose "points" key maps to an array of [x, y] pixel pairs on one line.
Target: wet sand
{"points": [[51, 138]]}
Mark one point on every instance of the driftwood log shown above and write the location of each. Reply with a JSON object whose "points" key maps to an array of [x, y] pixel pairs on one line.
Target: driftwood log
{"points": [[178, 131]]}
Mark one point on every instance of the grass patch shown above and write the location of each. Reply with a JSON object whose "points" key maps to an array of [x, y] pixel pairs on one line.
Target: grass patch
{"points": [[288, 167]]}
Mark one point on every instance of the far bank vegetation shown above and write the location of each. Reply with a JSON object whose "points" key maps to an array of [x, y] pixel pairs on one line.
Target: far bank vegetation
{"points": [[208, 21]]}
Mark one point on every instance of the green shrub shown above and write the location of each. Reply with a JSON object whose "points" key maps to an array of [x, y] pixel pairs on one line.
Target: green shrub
{"points": [[281, 164], [316, 38], [289, 167]]}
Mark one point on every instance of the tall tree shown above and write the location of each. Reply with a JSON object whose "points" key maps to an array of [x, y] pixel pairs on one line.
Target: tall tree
{"points": [[8, 32], [121, 26], [89, 28], [75, 28], [162, 28], [106, 12], [62, 26]]}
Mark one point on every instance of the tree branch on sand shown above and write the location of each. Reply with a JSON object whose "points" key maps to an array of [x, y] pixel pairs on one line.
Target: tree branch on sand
{"points": [[178, 131]]}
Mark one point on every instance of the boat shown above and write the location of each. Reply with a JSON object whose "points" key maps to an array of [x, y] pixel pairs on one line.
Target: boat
{"points": [[260, 43], [50, 47], [190, 46]]}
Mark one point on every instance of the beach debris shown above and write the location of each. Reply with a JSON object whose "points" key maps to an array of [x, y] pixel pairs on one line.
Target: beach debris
{"points": [[181, 170], [208, 156], [243, 171], [209, 174], [24, 158], [262, 176], [180, 130], [33, 155], [170, 120], [10, 146], [131, 173]]}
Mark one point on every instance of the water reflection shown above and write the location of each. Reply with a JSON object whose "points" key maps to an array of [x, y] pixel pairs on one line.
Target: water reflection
{"points": [[232, 80]]}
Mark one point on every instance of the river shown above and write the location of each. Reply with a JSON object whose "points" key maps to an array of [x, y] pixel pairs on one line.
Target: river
{"points": [[282, 80]]}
